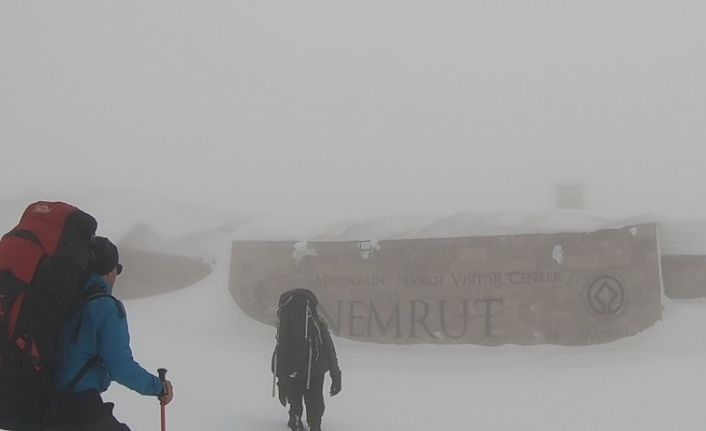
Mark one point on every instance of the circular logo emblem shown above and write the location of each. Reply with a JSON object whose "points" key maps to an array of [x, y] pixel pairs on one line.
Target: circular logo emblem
{"points": [[606, 295]]}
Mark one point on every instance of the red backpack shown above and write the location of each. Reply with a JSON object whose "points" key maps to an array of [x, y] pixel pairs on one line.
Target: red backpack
{"points": [[43, 269]]}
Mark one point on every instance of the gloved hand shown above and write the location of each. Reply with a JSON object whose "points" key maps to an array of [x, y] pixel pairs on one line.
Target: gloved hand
{"points": [[335, 383], [282, 392], [168, 393]]}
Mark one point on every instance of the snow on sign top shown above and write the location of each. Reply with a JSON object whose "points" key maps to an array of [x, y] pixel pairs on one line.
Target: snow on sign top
{"points": [[676, 236]]}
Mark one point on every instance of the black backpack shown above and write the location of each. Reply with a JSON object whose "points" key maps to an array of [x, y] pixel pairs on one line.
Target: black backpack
{"points": [[299, 339], [43, 269]]}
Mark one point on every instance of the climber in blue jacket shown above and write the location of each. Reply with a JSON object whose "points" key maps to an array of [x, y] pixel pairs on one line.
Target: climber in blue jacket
{"points": [[96, 352]]}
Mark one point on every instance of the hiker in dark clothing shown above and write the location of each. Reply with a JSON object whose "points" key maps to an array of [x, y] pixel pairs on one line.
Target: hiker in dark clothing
{"points": [[303, 355], [97, 351]]}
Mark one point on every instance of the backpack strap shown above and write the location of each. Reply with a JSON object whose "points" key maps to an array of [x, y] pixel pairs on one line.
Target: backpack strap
{"points": [[24, 234], [92, 294], [82, 372], [87, 297], [3, 304], [51, 412]]}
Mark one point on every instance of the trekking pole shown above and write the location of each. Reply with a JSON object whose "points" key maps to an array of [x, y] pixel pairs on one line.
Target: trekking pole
{"points": [[308, 342], [274, 364], [274, 376], [276, 354], [163, 376]]}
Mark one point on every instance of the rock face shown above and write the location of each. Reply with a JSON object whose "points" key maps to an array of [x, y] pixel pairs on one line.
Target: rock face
{"points": [[147, 273], [568, 289], [684, 276]]}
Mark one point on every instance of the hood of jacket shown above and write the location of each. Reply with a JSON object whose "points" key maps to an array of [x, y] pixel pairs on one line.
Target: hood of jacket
{"points": [[96, 281]]}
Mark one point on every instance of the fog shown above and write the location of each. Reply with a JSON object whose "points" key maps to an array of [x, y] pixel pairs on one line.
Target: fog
{"points": [[175, 122], [356, 109]]}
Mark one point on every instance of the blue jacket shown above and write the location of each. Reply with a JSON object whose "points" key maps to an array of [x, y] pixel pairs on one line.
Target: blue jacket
{"points": [[100, 328]]}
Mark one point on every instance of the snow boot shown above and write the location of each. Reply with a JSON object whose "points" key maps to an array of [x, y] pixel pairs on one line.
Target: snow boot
{"points": [[295, 423]]}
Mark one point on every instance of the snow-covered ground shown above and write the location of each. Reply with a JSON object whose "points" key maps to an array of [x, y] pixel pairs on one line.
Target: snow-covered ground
{"points": [[218, 360]]}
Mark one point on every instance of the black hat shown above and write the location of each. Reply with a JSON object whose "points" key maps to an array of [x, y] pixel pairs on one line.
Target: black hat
{"points": [[104, 258]]}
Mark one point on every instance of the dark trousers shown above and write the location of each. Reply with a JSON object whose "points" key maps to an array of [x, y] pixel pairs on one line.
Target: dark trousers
{"points": [[312, 397], [85, 411]]}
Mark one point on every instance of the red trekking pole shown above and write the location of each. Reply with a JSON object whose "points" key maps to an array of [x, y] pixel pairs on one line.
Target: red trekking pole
{"points": [[163, 376]]}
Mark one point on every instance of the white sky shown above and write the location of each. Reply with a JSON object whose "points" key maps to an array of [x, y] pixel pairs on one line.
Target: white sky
{"points": [[357, 108]]}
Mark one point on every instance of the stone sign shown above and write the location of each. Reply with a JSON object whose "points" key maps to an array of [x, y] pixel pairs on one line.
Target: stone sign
{"points": [[568, 289], [684, 276]]}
